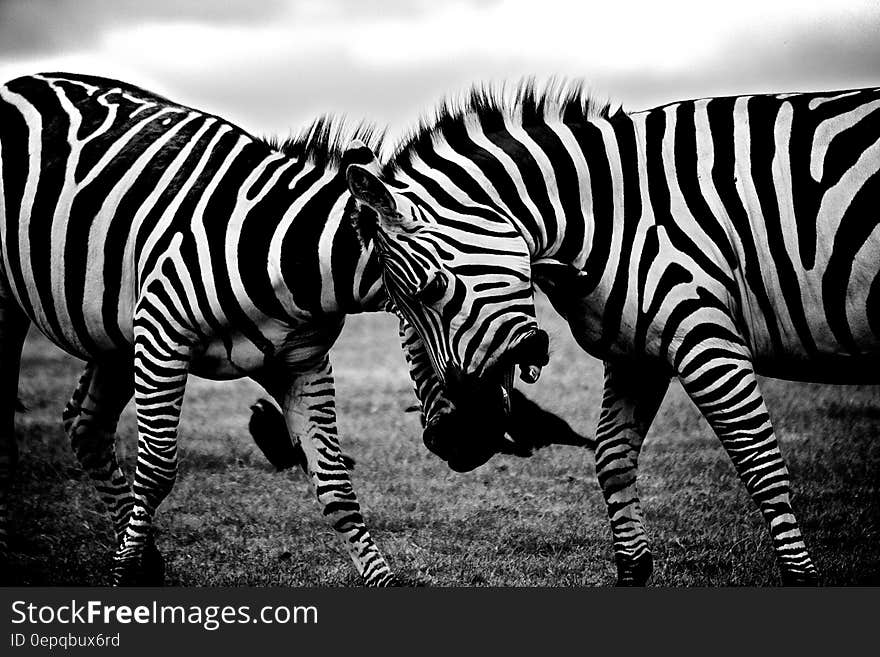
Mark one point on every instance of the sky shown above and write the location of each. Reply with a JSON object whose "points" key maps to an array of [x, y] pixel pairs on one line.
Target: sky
{"points": [[271, 66]]}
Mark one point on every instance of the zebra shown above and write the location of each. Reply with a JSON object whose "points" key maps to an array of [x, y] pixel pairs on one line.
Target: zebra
{"points": [[709, 240], [153, 240]]}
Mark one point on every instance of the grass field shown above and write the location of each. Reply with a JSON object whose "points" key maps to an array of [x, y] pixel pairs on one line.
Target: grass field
{"points": [[231, 520]]}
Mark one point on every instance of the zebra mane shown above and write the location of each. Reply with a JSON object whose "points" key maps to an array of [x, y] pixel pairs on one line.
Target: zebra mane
{"points": [[524, 102], [324, 141]]}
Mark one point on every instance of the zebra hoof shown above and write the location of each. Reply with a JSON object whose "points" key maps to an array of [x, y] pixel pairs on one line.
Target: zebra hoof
{"points": [[124, 574], [152, 566], [634, 572], [383, 581], [149, 571], [809, 578]]}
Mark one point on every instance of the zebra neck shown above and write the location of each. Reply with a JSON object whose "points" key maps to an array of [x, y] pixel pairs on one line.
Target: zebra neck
{"points": [[593, 195], [293, 234], [572, 190]]}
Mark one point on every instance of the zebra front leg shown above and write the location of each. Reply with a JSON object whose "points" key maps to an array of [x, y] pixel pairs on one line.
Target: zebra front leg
{"points": [[632, 396], [90, 419], [308, 400], [725, 390], [13, 329], [160, 373]]}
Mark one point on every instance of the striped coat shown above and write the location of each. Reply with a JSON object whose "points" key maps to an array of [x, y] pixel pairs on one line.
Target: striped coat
{"points": [[708, 240]]}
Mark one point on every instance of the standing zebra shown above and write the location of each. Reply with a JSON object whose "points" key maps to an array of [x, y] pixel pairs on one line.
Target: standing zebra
{"points": [[153, 240], [708, 240]]}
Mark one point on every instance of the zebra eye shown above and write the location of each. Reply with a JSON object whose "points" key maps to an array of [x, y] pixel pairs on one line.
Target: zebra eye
{"points": [[433, 290]]}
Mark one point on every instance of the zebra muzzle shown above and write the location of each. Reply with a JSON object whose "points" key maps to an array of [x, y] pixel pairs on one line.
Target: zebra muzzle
{"points": [[531, 353]]}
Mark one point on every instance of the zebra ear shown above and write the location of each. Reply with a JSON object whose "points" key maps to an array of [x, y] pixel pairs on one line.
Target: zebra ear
{"points": [[368, 190], [357, 152]]}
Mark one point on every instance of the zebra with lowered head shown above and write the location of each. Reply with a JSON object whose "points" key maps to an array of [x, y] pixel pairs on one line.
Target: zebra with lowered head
{"points": [[153, 241], [710, 240]]}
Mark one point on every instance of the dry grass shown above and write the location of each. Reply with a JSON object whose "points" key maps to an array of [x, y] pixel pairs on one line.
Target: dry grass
{"points": [[231, 520]]}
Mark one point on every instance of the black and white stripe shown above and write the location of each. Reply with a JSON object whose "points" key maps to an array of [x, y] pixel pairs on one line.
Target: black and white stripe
{"points": [[710, 240]]}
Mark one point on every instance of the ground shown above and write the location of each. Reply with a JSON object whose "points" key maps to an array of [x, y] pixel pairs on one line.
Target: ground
{"points": [[232, 520]]}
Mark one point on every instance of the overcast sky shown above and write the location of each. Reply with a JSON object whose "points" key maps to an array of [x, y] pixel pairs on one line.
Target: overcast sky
{"points": [[272, 65]]}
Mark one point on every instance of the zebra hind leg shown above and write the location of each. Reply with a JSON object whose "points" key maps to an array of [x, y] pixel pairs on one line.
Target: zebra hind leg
{"points": [[309, 406], [630, 401], [13, 329], [726, 392], [90, 419]]}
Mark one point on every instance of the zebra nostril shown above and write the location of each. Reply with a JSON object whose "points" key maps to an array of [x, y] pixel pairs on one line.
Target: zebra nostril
{"points": [[533, 349]]}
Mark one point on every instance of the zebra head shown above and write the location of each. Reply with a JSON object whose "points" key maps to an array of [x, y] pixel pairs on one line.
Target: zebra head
{"points": [[463, 282]]}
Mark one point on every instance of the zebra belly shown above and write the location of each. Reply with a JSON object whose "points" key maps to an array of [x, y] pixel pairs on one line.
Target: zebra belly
{"points": [[101, 346], [295, 348], [831, 340], [224, 360]]}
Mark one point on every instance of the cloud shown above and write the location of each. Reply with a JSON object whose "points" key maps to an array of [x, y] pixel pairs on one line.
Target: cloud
{"points": [[51, 26], [837, 53], [274, 69], [47, 26], [285, 94]]}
